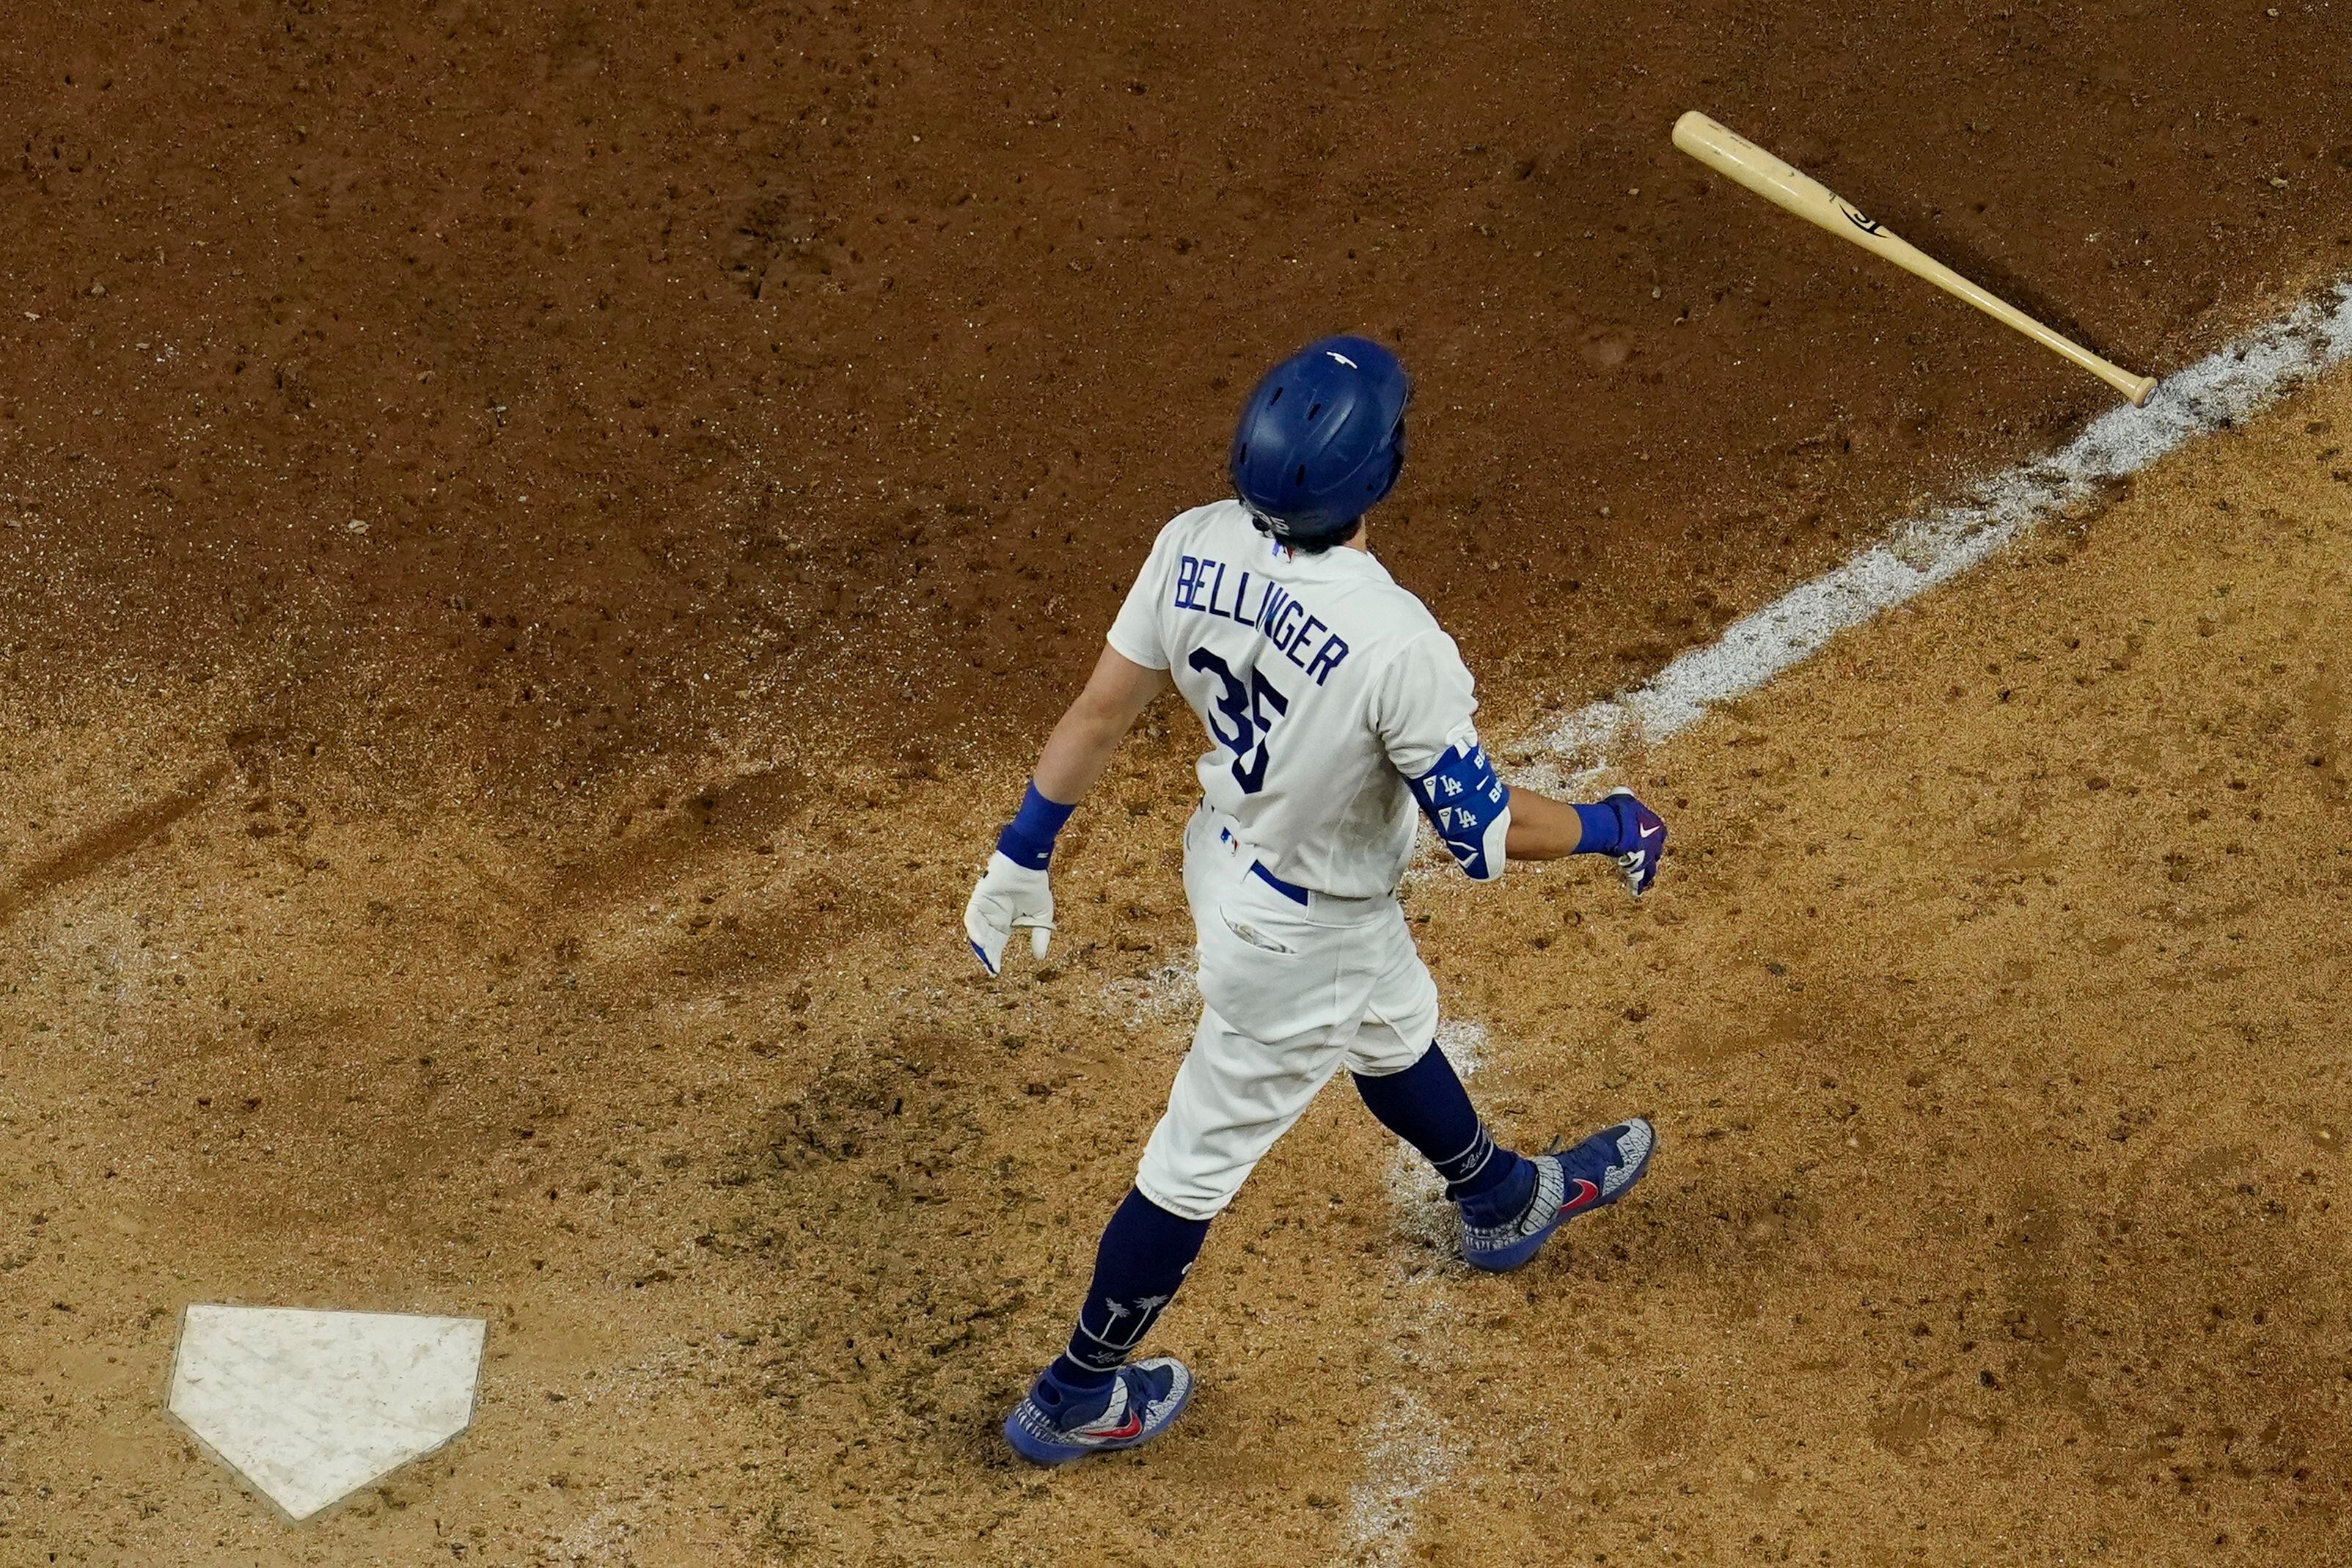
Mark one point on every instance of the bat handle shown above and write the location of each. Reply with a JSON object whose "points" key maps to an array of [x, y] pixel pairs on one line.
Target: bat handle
{"points": [[2135, 387]]}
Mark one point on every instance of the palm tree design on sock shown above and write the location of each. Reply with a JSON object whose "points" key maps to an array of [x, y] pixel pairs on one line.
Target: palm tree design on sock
{"points": [[1142, 1311]]}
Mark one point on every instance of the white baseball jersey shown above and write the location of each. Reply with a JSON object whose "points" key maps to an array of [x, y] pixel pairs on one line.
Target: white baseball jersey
{"points": [[1324, 684]]}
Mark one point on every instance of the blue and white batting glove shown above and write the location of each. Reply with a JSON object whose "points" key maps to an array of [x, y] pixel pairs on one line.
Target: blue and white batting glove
{"points": [[1009, 897], [1629, 832], [1014, 892]]}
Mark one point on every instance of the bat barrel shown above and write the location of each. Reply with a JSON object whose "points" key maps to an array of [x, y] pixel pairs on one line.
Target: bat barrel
{"points": [[1729, 153]]}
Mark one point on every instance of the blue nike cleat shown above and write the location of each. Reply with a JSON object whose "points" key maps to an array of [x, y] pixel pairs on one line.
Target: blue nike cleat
{"points": [[1593, 1174], [1055, 1425]]}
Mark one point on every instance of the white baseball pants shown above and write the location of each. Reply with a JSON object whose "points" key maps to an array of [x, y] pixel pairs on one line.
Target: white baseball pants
{"points": [[1290, 993]]}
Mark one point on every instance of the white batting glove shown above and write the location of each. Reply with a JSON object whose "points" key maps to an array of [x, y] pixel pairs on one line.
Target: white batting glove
{"points": [[1010, 896]]}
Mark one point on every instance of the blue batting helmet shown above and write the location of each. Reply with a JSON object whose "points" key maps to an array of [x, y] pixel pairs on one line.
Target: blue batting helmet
{"points": [[1321, 439]]}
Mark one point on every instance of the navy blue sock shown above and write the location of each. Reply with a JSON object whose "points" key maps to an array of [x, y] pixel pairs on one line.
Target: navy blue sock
{"points": [[1427, 1107], [1141, 1259]]}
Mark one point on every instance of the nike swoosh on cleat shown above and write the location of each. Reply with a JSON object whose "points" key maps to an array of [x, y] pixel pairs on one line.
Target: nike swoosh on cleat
{"points": [[1126, 1429], [1583, 1197], [1651, 831]]}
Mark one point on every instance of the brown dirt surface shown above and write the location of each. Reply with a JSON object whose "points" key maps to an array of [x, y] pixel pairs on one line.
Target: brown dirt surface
{"points": [[550, 382], [1989, 1011], [531, 543]]}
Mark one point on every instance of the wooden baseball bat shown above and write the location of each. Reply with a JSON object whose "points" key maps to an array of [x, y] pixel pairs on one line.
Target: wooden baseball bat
{"points": [[1728, 152]]}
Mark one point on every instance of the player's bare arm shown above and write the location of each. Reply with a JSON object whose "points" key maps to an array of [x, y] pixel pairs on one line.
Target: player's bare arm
{"points": [[1081, 745], [1542, 828], [1014, 894]]}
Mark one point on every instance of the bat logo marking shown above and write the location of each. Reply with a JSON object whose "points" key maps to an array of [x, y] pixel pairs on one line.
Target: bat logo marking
{"points": [[1855, 217]]}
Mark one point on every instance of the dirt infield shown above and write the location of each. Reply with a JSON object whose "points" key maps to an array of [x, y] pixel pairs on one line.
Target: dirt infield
{"points": [[533, 541], [553, 383], [1990, 1017]]}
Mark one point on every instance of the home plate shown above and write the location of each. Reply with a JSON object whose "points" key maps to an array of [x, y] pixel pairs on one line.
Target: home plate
{"points": [[310, 1407]]}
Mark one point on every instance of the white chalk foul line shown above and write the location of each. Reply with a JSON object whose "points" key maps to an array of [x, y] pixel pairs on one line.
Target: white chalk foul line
{"points": [[1410, 1450], [2210, 396], [1407, 1452]]}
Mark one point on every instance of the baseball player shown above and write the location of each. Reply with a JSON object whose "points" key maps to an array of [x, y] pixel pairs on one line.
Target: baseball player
{"points": [[1335, 707]]}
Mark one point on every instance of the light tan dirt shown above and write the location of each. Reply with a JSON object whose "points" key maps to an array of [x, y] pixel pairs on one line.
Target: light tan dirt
{"points": [[1988, 1008], [1995, 1027]]}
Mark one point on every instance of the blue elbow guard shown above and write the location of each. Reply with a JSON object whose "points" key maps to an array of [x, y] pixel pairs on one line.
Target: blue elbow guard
{"points": [[1470, 808]]}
